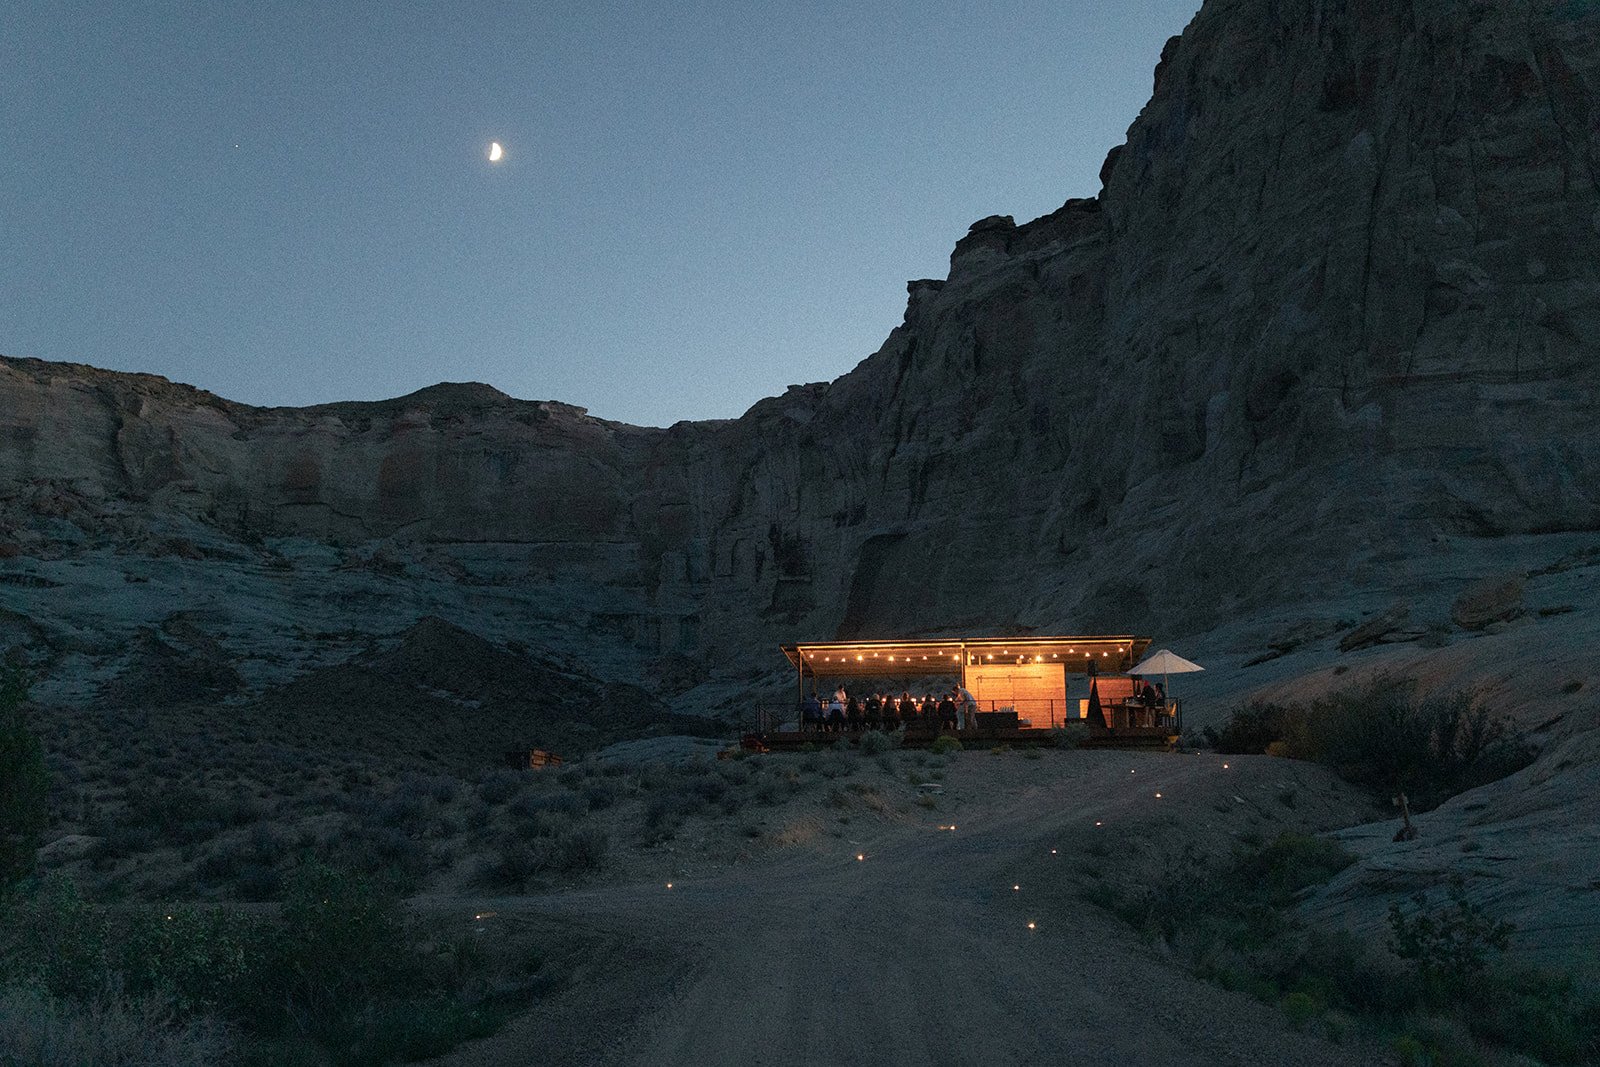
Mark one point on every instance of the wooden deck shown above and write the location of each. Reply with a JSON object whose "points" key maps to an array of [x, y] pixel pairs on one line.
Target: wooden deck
{"points": [[981, 737]]}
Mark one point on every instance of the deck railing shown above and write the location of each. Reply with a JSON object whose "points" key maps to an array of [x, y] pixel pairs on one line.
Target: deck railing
{"points": [[1038, 714]]}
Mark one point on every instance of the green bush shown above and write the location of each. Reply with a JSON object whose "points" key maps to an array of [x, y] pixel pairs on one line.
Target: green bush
{"points": [[1380, 735], [945, 746], [1451, 946], [1249, 730], [23, 783]]}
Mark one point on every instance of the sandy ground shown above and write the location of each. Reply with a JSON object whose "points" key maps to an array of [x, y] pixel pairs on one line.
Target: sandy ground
{"points": [[922, 952]]}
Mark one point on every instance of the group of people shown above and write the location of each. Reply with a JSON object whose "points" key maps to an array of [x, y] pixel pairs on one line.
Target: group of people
{"points": [[844, 713]]}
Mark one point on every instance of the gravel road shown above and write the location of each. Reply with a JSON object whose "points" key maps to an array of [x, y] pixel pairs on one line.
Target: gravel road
{"points": [[919, 953]]}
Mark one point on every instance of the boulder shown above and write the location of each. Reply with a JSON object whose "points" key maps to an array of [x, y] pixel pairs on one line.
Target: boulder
{"points": [[1492, 600], [1387, 627]]}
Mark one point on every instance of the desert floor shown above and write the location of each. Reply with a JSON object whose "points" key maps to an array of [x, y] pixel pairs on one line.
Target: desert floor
{"points": [[921, 951]]}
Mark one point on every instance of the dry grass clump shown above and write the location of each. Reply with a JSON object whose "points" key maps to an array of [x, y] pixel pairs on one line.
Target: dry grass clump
{"points": [[112, 1031]]}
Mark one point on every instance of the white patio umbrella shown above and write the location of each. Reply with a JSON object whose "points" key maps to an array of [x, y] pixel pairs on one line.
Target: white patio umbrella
{"points": [[1164, 663]]}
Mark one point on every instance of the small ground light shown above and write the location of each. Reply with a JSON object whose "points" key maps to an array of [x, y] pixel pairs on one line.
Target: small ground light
{"points": [[1015, 888], [1158, 796], [1099, 823], [1031, 926], [860, 856], [1053, 851], [669, 885], [1224, 766]]}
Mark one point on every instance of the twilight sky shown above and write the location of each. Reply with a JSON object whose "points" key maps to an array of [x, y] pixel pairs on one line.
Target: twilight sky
{"points": [[701, 202]]}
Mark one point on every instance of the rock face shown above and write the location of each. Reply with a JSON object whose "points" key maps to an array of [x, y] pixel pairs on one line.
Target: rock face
{"points": [[1334, 311]]}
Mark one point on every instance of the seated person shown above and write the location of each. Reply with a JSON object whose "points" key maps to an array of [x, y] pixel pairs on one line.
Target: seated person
{"points": [[811, 713], [835, 715], [947, 713], [874, 712], [852, 713], [909, 711], [891, 714]]}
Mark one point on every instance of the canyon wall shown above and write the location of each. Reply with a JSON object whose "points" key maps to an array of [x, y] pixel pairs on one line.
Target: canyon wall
{"points": [[1331, 320]]}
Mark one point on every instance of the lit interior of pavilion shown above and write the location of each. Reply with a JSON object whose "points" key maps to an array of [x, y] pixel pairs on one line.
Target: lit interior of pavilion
{"points": [[1023, 687]]}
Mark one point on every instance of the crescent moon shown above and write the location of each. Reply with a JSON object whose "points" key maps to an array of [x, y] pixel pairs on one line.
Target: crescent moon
{"points": [[496, 153]]}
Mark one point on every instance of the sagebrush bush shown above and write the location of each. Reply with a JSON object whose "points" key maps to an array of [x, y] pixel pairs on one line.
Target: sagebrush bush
{"points": [[945, 746]]}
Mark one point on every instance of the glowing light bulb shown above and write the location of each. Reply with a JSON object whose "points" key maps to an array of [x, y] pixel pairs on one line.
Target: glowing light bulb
{"points": [[860, 856], [669, 885], [1016, 888], [1031, 926]]}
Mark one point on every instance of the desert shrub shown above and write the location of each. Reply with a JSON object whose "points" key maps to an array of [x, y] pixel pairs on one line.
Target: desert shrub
{"points": [[500, 787], [559, 801], [945, 746], [24, 783], [1069, 736], [382, 852], [1380, 735], [45, 1031], [1450, 946], [580, 851], [600, 795], [1440, 990], [248, 864], [515, 865], [404, 808], [1249, 730], [876, 743]]}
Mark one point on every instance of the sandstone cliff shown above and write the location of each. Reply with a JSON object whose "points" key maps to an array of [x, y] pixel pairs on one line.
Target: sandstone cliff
{"points": [[1332, 317]]}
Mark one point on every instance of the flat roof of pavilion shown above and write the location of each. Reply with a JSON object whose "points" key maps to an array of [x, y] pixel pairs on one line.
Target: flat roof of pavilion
{"points": [[851, 659]]}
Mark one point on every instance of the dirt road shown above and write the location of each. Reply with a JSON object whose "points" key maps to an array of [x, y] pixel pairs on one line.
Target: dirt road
{"points": [[919, 953]]}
